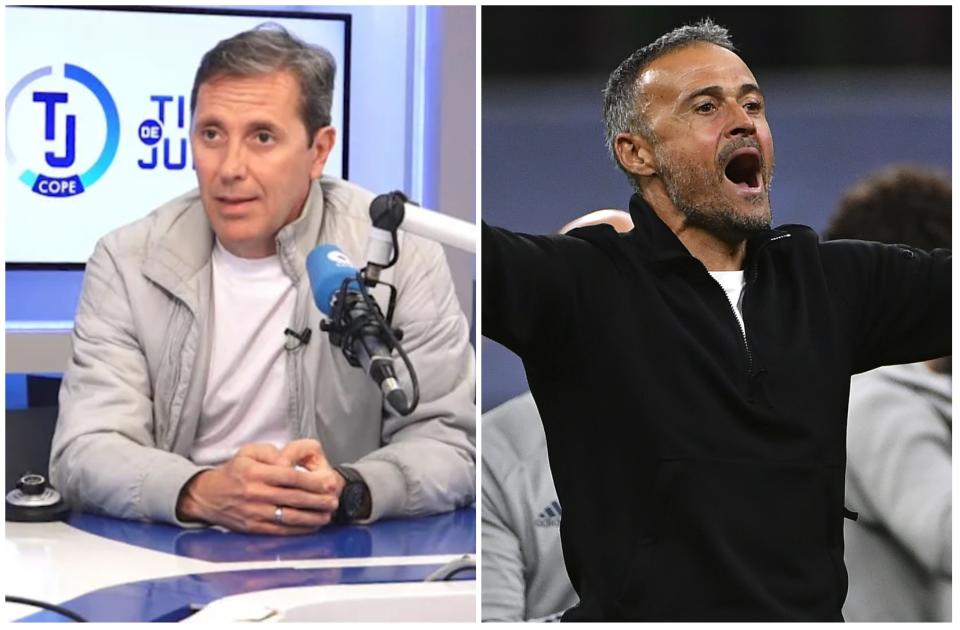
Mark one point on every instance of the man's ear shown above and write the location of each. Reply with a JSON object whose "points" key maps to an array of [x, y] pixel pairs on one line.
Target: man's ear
{"points": [[634, 154], [323, 141]]}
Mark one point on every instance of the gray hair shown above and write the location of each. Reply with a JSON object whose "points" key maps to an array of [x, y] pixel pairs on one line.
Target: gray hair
{"points": [[622, 106], [270, 48]]}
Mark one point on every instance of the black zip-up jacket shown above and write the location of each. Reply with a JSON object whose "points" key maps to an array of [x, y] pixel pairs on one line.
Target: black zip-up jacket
{"points": [[701, 471]]}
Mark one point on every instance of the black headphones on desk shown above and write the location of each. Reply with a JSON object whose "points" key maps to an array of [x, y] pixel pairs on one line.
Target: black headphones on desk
{"points": [[34, 501]]}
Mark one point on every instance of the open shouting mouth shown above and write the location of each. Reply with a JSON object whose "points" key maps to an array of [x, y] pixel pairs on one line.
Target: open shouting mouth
{"points": [[743, 170]]}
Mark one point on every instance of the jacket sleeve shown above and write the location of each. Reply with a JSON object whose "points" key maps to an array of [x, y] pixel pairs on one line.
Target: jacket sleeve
{"points": [[898, 470], [104, 457], [897, 300], [427, 463], [524, 280]]}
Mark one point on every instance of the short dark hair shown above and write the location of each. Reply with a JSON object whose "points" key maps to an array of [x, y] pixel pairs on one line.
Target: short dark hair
{"points": [[270, 48], [900, 205], [621, 97]]}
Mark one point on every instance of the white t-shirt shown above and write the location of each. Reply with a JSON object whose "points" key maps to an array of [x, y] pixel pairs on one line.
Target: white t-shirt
{"points": [[732, 283], [246, 398]]}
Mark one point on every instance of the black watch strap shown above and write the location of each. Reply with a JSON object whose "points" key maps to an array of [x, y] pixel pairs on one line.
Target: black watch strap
{"points": [[355, 501]]}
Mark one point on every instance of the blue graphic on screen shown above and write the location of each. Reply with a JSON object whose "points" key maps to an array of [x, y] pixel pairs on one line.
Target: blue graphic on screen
{"points": [[51, 100], [66, 185], [152, 132]]}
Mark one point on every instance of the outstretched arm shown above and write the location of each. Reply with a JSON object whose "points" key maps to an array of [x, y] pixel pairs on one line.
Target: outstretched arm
{"points": [[898, 299]]}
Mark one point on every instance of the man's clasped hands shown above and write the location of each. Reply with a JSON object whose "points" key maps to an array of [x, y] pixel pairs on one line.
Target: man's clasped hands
{"points": [[266, 490]]}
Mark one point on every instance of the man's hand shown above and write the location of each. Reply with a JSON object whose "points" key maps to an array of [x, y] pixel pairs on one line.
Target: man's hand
{"points": [[244, 494], [309, 454]]}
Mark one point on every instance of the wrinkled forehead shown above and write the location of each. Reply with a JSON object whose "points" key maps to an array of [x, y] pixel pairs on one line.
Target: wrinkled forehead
{"points": [[266, 87], [238, 98], [666, 79]]}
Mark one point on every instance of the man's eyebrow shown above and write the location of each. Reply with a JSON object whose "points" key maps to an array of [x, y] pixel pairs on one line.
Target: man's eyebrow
{"points": [[262, 125], [207, 120], [717, 92], [253, 125]]}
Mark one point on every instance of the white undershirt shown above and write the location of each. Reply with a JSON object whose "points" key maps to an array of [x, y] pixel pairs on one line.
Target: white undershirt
{"points": [[246, 396], [732, 283]]}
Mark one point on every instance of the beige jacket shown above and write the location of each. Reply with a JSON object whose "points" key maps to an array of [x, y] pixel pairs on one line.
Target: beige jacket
{"points": [[131, 397]]}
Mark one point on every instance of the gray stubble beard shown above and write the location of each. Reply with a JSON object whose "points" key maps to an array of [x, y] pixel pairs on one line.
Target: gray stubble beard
{"points": [[714, 214]]}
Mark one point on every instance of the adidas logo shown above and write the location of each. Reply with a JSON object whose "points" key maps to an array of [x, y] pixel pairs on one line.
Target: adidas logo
{"points": [[549, 517]]}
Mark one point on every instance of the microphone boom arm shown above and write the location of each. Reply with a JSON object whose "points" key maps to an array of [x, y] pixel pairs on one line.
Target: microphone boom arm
{"points": [[392, 211], [439, 227], [388, 213]]}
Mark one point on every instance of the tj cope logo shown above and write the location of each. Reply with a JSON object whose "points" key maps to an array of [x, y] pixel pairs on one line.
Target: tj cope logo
{"points": [[58, 175]]}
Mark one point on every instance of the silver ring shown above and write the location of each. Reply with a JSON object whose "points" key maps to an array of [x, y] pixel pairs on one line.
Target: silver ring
{"points": [[278, 515]]}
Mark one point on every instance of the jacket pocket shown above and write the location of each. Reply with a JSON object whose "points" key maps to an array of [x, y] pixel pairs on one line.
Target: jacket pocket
{"points": [[739, 541], [633, 599]]}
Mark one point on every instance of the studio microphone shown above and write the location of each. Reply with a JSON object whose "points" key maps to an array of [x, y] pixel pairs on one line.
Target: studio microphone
{"points": [[358, 325]]}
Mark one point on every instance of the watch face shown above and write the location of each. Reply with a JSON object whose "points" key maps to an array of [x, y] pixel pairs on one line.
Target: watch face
{"points": [[351, 498]]}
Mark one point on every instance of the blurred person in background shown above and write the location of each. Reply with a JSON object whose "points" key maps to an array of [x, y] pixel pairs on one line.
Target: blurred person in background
{"points": [[899, 428], [524, 578]]}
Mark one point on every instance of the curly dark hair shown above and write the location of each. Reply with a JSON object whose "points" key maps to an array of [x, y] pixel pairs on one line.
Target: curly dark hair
{"points": [[905, 205]]}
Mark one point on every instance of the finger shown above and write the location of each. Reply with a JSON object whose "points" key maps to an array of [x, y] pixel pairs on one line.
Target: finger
{"points": [[264, 453], [325, 481], [333, 481], [294, 517], [278, 476], [260, 518], [307, 453], [271, 495], [320, 482]]}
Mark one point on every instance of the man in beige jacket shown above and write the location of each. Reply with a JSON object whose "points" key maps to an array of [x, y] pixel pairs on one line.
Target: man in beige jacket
{"points": [[184, 400]]}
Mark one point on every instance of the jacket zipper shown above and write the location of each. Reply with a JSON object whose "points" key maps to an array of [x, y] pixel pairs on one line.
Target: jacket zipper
{"points": [[749, 277], [179, 339], [743, 332], [295, 359], [295, 378]]}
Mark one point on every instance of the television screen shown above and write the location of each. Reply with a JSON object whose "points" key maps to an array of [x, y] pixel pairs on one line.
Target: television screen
{"points": [[98, 115]]}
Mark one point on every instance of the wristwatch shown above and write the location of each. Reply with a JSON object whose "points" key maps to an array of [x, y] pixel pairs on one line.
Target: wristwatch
{"points": [[354, 499]]}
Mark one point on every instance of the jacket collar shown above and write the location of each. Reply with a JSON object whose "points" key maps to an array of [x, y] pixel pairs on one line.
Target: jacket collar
{"points": [[660, 244], [658, 241], [297, 239], [181, 243]]}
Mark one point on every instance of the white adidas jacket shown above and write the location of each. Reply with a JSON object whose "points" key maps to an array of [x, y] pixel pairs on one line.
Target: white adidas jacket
{"points": [[524, 577]]}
